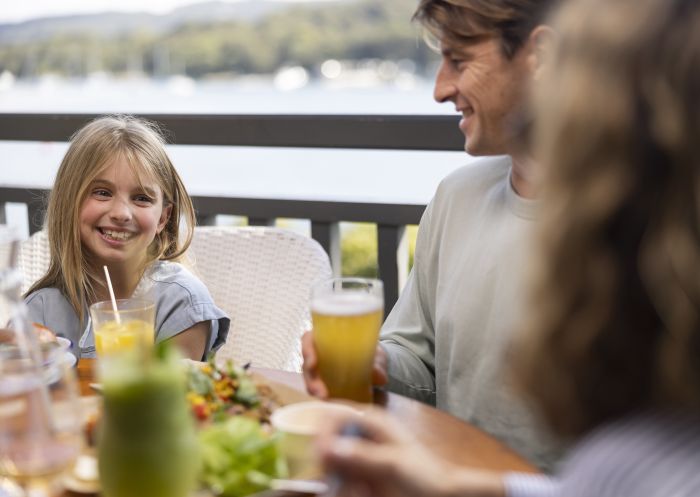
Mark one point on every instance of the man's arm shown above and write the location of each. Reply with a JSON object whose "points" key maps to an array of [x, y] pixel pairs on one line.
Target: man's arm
{"points": [[408, 341], [408, 334], [406, 350]]}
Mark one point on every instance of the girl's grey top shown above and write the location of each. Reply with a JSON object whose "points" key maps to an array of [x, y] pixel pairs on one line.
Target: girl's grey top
{"points": [[181, 299]]}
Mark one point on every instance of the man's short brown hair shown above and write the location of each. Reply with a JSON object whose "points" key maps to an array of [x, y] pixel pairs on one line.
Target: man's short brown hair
{"points": [[468, 21]]}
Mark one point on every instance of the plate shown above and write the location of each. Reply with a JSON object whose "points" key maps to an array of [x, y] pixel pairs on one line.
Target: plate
{"points": [[83, 478], [70, 359]]}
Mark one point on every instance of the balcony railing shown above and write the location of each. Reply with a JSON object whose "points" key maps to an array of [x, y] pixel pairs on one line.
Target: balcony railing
{"points": [[304, 131]]}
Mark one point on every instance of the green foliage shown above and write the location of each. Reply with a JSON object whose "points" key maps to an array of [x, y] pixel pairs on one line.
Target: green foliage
{"points": [[359, 249], [303, 35]]}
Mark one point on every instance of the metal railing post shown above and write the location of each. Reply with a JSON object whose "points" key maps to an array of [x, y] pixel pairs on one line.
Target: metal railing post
{"points": [[328, 235], [389, 239]]}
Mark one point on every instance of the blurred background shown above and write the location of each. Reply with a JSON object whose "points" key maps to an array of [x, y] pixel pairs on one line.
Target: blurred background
{"points": [[232, 57]]}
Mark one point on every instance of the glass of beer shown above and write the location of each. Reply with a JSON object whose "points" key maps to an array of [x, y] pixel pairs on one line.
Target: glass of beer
{"points": [[347, 314], [128, 329]]}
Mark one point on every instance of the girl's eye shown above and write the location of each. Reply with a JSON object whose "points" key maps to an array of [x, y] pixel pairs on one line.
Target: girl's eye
{"points": [[101, 192], [145, 199]]}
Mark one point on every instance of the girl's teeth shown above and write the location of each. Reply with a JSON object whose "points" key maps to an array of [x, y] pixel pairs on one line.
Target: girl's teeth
{"points": [[117, 235]]}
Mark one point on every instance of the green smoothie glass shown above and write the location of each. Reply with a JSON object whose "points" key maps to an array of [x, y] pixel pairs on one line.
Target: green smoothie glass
{"points": [[147, 443]]}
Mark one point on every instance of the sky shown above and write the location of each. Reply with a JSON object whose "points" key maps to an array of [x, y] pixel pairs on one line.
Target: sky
{"points": [[17, 11]]}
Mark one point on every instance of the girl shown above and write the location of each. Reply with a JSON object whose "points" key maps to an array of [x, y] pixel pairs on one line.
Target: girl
{"points": [[611, 340], [118, 201]]}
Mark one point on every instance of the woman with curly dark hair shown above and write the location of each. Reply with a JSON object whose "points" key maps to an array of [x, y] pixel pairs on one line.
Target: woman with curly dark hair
{"points": [[610, 348]]}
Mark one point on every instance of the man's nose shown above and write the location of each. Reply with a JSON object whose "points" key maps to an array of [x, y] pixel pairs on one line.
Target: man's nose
{"points": [[445, 88]]}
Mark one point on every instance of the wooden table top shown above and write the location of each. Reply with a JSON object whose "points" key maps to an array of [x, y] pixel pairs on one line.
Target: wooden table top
{"points": [[451, 438]]}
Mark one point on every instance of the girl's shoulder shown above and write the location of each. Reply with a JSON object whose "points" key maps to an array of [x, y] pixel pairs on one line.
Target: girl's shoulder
{"points": [[165, 271], [44, 296], [50, 308], [172, 278]]}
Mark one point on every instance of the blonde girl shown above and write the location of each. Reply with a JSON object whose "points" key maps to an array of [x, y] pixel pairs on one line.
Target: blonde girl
{"points": [[118, 201]]}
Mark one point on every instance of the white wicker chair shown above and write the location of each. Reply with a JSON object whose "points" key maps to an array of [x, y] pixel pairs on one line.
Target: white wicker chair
{"points": [[261, 277], [34, 258]]}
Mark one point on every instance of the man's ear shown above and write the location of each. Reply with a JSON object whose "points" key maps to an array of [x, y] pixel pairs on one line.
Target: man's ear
{"points": [[542, 41], [164, 217]]}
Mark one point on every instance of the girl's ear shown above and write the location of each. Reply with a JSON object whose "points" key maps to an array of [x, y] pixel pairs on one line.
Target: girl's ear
{"points": [[164, 217]]}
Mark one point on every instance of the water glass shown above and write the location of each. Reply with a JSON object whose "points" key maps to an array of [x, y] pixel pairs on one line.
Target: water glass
{"points": [[40, 422]]}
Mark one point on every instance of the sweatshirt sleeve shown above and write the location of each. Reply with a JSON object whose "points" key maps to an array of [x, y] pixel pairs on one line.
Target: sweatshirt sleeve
{"points": [[408, 335]]}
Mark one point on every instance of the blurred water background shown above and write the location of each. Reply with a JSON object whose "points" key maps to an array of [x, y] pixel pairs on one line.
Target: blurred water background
{"points": [[247, 57]]}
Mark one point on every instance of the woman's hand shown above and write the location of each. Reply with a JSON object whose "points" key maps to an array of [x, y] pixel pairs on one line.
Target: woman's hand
{"points": [[388, 461]]}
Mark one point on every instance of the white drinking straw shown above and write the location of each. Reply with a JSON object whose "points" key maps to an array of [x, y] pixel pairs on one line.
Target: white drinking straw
{"points": [[111, 295]]}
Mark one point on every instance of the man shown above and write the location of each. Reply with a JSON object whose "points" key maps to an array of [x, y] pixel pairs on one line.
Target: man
{"points": [[443, 343]]}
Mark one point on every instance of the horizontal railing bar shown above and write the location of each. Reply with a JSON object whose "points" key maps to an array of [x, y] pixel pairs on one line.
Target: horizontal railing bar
{"points": [[409, 132], [324, 216], [316, 210]]}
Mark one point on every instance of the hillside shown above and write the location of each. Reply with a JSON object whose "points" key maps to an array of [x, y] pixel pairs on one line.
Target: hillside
{"points": [[214, 38], [111, 24]]}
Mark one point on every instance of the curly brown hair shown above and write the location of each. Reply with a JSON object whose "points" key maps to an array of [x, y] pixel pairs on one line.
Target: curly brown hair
{"points": [[468, 21], [614, 321]]}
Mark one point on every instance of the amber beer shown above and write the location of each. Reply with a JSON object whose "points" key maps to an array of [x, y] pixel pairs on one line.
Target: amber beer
{"points": [[347, 315]]}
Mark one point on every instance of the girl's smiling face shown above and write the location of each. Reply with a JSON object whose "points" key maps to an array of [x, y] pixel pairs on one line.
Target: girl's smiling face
{"points": [[121, 216]]}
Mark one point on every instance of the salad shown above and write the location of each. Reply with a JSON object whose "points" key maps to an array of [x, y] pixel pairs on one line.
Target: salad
{"points": [[216, 393], [239, 457], [238, 448]]}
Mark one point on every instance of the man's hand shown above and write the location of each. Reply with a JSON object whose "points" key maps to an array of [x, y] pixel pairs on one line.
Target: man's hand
{"points": [[380, 377], [314, 383]]}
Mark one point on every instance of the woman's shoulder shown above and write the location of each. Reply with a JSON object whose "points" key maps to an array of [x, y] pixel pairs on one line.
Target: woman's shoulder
{"points": [[641, 455]]}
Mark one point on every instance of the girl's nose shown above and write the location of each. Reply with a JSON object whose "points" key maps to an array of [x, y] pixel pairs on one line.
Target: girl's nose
{"points": [[120, 211]]}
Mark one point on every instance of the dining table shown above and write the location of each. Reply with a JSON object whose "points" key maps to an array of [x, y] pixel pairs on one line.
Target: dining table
{"points": [[447, 436]]}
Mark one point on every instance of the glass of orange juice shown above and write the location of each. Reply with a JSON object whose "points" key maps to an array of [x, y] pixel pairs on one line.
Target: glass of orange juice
{"points": [[128, 329], [347, 314]]}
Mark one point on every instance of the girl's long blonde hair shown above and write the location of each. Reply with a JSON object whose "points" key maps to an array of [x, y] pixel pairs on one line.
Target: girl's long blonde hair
{"points": [[91, 150], [614, 315]]}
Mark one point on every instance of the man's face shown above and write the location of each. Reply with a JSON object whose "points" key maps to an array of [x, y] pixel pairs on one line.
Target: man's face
{"points": [[486, 89]]}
